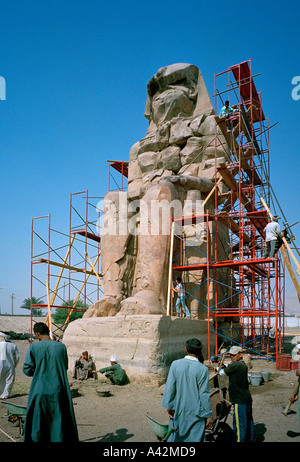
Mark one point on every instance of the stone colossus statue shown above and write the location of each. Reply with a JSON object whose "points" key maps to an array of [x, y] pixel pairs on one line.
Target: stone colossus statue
{"points": [[171, 170]]}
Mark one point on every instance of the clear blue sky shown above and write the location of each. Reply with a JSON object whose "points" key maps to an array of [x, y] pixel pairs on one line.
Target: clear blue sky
{"points": [[76, 75]]}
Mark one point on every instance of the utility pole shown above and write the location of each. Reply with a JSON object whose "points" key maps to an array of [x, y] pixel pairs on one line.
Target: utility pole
{"points": [[1, 288], [12, 303]]}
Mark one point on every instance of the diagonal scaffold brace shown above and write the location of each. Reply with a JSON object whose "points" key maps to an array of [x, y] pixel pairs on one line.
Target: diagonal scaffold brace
{"points": [[285, 256]]}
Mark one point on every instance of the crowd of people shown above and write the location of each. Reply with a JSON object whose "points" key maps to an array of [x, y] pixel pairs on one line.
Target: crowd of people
{"points": [[50, 415]]}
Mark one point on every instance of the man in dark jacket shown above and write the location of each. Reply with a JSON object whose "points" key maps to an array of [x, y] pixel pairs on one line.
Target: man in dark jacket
{"points": [[239, 395]]}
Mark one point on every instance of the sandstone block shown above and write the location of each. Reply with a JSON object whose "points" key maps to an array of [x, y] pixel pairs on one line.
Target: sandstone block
{"points": [[145, 345]]}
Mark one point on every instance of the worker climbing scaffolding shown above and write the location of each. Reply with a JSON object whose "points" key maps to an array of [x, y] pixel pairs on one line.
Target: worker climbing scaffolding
{"points": [[282, 243]]}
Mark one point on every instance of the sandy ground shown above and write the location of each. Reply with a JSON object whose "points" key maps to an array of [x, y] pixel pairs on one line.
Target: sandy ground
{"points": [[121, 416]]}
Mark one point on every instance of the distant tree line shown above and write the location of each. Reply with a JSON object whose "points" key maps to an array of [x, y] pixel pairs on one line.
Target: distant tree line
{"points": [[60, 315]]}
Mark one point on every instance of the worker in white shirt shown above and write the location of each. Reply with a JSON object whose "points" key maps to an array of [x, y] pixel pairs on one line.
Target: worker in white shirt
{"points": [[273, 237]]}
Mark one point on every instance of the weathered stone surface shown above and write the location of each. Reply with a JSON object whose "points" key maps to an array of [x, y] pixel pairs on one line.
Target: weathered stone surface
{"points": [[207, 127], [144, 344], [136, 189], [107, 306], [148, 161], [176, 157], [134, 171], [153, 177], [180, 132], [193, 150], [173, 164], [143, 302], [152, 143], [169, 159], [195, 125]]}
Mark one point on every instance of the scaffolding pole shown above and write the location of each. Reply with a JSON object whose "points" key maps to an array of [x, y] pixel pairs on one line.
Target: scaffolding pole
{"points": [[82, 244], [239, 290]]}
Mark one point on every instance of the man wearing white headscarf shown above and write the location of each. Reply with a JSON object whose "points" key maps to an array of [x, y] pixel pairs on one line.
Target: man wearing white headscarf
{"points": [[114, 372], [9, 358]]}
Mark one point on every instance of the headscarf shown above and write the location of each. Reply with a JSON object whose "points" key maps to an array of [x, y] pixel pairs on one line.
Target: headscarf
{"points": [[3, 336]]}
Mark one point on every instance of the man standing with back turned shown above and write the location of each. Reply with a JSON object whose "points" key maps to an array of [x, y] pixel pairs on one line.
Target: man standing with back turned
{"points": [[273, 237], [50, 414], [186, 396]]}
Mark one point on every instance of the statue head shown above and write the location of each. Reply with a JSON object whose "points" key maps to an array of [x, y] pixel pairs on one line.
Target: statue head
{"points": [[177, 90]]}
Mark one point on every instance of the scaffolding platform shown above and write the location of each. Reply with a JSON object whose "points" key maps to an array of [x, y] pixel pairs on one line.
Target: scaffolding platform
{"points": [[246, 290]]}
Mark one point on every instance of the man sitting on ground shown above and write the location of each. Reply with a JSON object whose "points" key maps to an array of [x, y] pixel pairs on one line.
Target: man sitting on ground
{"points": [[83, 367], [114, 372]]}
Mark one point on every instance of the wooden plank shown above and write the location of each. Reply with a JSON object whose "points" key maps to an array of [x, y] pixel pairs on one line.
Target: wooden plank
{"points": [[291, 254], [92, 236], [230, 139], [250, 171], [170, 284], [232, 142], [68, 267], [233, 226], [245, 125], [228, 177], [95, 271], [284, 240], [255, 110], [233, 185], [49, 319], [258, 269], [211, 192], [53, 297], [285, 257], [61, 272], [72, 268], [77, 297], [247, 152], [291, 272], [259, 219], [230, 201]]}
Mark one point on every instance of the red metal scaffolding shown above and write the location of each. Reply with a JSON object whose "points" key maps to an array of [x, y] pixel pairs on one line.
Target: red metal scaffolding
{"points": [[65, 267], [58, 278], [227, 279], [239, 290], [121, 167]]}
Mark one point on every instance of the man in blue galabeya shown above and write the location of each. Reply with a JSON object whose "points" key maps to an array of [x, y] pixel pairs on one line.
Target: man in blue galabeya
{"points": [[187, 396]]}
